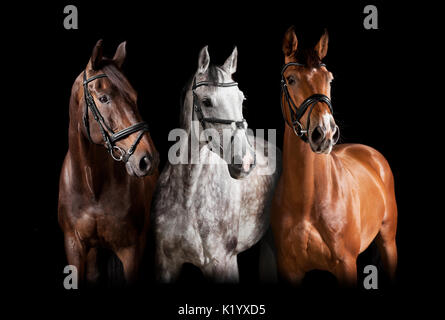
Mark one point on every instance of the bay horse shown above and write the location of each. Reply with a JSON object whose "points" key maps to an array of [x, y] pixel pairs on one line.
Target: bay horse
{"points": [[207, 212], [101, 205], [332, 200]]}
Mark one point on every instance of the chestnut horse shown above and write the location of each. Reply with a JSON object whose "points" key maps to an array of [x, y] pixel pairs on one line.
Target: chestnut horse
{"points": [[331, 201], [100, 205]]}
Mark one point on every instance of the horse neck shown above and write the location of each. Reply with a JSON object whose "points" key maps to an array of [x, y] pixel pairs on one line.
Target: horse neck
{"points": [[187, 111], [305, 172], [186, 125], [192, 172], [91, 163]]}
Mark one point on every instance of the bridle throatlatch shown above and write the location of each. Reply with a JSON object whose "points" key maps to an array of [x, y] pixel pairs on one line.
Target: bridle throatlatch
{"points": [[297, 113], [109, 136]]}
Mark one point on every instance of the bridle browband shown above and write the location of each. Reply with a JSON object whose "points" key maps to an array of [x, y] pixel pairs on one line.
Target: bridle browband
{"points": [[197, 106], [242, 124], [297, 113], [110, 139]]}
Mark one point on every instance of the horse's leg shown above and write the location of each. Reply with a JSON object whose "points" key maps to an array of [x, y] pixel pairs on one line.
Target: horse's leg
{"points": [[75, 254], [167, 270], [386, 242], [268, 261], [222, 270], [130, 258], [232, 274], [91, 268], [288, 269], [294, 276], [346, 271]]}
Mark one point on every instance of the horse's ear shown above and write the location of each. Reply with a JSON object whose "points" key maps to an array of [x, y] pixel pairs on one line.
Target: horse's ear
{"points": [[203, 60], [322, 46], [290, 42], [231, 62], [121, 53], [96, 56]]}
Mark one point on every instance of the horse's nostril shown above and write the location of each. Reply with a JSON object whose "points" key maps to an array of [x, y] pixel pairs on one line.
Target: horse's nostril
{"points": [[317, 134], [144, 163]]}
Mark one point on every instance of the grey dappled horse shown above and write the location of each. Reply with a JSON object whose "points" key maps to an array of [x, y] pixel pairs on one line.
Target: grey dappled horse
{"points": [[206, 213]]}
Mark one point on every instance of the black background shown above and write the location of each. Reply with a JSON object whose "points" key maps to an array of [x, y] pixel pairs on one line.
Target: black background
{"points": [[372, 95]]}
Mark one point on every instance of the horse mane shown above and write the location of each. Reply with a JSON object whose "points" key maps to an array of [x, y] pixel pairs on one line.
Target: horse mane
{"points": [[118, 80], [308, 57], [213, 73]]}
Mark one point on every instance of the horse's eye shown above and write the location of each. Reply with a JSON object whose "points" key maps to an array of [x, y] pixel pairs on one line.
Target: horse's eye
{"points": [[290, 80], [207, 103], [103, 99]]}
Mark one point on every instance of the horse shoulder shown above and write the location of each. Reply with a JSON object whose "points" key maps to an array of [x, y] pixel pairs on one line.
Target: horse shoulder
{"points": [[161, 197], [150, 183], [352, 155], [260, 184], [67, 182], [363, 170], [370, 174], [257, 193], [67, 177], [173, 195]]}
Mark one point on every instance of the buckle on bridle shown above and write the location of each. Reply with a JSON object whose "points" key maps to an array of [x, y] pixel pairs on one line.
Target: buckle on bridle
{"points": [[121, 153], [298, 130], [239, 125]]}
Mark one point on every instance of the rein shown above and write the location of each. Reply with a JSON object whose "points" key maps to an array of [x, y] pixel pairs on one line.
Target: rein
{"points": [[297, 113], [116, 152]]}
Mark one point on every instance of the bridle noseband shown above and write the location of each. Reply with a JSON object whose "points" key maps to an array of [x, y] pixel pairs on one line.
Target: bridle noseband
{"points": [[110, 140], [242, 124], [297, 113]]}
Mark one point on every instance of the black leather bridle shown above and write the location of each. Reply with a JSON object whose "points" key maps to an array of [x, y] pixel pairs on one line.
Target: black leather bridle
{"points": [[117, 153], [297, 113], [241, 124], [197, 106]]}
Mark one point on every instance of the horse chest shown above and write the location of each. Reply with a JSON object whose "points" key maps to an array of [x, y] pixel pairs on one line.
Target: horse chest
{"points": [[215, 207], [201, 216], [215, 197], [106, 222]]}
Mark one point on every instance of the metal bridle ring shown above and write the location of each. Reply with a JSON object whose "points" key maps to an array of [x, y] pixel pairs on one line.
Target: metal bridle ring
{"points": [[122, 153], [298, 132]]}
